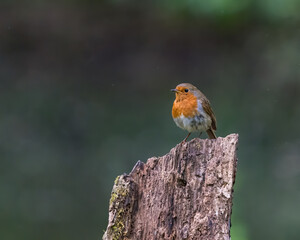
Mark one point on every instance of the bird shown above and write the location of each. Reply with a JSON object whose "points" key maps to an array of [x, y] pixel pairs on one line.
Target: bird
{"points": [[191, 111]]}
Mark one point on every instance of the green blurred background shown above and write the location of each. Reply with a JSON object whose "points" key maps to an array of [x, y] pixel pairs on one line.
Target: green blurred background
{"points": [[85, 94]]}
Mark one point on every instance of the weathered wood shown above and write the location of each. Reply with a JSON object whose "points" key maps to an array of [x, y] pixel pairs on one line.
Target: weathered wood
{"points": [[186, 194]]}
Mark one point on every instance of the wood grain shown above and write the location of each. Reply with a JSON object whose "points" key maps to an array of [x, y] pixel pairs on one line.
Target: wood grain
{"points": [[186, 194]]}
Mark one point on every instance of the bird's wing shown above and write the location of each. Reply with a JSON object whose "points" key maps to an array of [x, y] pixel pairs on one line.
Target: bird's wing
{"points": [[209, 111]]}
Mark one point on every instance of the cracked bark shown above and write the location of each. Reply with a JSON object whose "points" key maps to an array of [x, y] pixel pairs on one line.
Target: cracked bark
{"points": [[186, 194]]}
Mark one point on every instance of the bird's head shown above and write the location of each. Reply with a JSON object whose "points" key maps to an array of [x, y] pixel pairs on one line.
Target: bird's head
{"points": [[185, 90]]}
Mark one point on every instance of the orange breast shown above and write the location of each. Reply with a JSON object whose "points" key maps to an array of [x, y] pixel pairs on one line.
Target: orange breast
{"points": [[185, 104]]}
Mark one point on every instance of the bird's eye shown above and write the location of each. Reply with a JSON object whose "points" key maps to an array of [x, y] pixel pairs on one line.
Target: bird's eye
{"points": [[186, 90]]}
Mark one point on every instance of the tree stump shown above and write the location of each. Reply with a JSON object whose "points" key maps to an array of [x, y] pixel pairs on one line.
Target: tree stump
{"points": [[186, 194]]}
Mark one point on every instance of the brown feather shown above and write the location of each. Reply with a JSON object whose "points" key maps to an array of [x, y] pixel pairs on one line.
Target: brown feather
{"points": [[209, 111], [211, 134]]}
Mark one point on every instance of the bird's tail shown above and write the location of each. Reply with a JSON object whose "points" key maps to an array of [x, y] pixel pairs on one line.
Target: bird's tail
{"points": [[211, 134]]}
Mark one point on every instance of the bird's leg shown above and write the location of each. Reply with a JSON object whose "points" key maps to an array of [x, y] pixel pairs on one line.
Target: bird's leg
{"points": [[186, 137], [200, 134]]}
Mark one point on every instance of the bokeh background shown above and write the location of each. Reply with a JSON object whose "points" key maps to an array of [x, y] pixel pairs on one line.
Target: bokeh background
{"points": [[84, 94]]}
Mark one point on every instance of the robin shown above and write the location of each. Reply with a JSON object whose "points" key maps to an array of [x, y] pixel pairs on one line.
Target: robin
{"points": [[192, 112]]}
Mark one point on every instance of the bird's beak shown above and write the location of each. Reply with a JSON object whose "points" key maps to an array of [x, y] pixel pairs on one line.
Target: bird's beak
{"points": [[174, 90]]}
